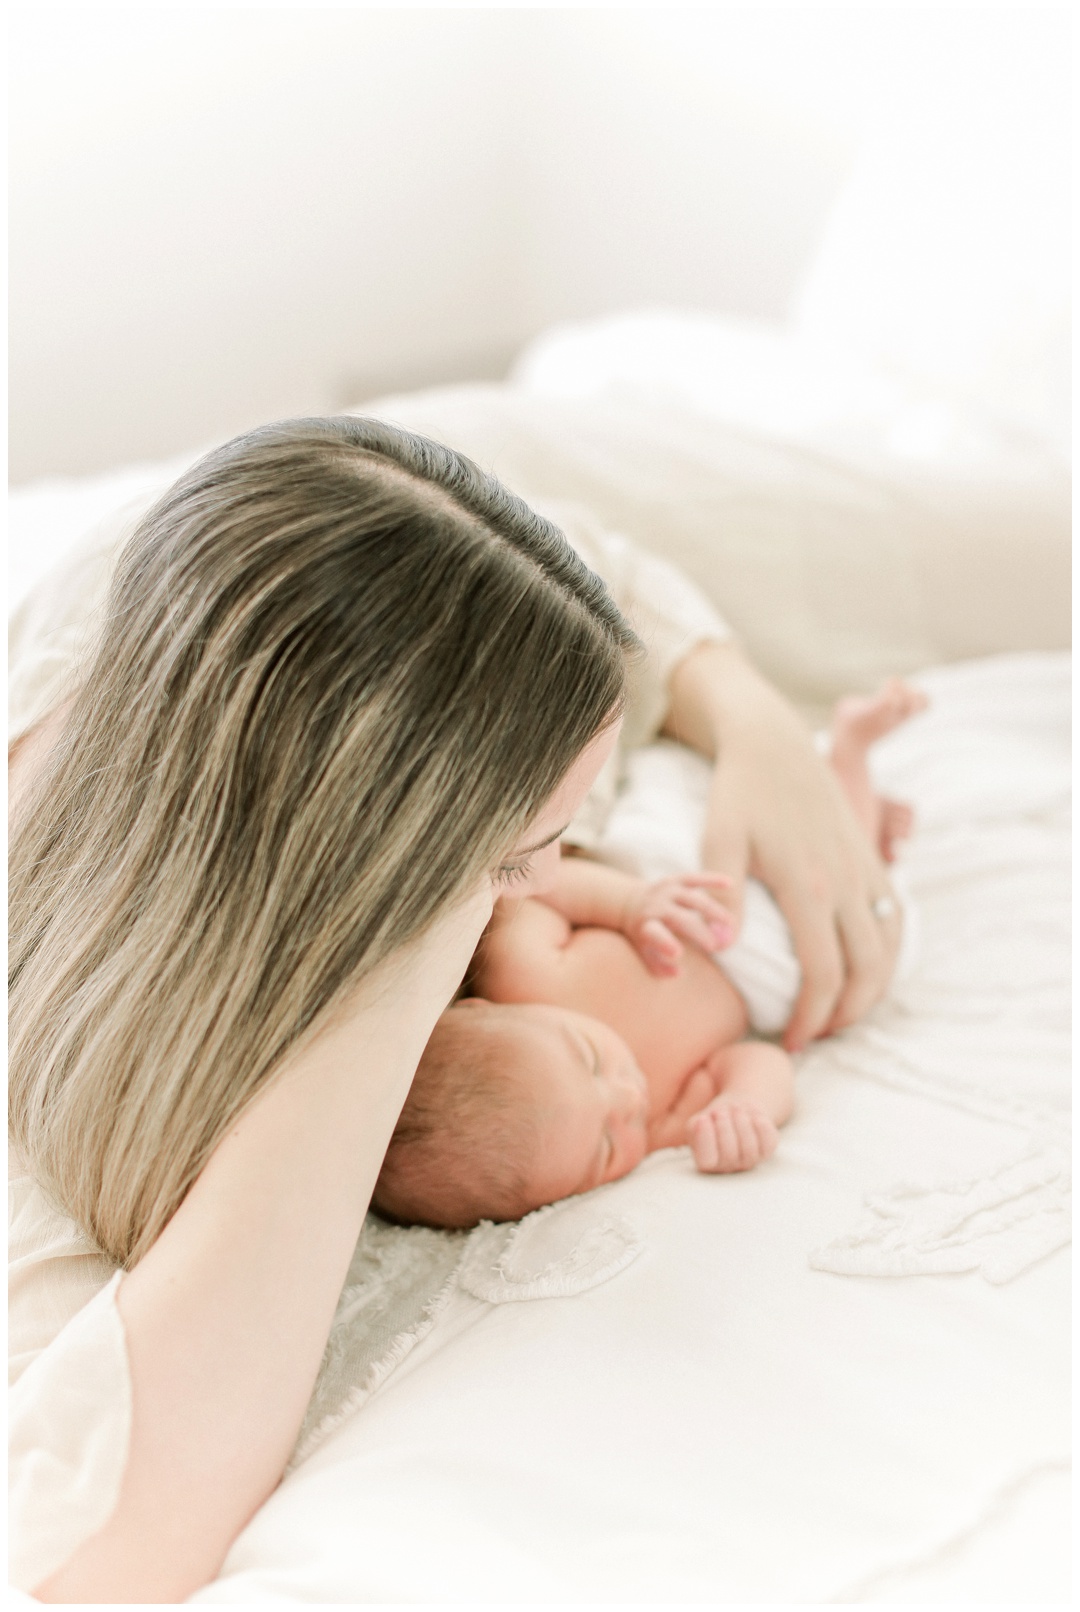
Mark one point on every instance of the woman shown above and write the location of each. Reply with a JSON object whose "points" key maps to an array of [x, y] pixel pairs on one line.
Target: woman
{"points": [[256, 850], [246, 880]]}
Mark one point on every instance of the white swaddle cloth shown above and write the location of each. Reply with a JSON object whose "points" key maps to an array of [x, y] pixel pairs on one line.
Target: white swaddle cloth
{"points": [[655, 829]]}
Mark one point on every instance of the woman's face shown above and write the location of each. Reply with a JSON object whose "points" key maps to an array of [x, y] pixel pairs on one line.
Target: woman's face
{"points": [[529, 868]]}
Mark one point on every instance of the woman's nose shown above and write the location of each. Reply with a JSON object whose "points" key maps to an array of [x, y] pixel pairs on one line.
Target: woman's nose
{"points": [[543, 867]]}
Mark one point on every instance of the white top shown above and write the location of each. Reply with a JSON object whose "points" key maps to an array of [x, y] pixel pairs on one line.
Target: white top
{"points": [[71, 1403]]}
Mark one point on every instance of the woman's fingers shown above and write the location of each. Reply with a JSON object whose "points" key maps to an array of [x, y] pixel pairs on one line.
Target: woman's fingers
{"points": [[870, 944], [846, 957], [821, 959], [726, 848]]}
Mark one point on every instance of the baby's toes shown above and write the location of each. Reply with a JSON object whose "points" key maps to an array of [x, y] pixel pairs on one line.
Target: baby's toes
{"points": [[897, 823], [914, 700], [861, 720], [900, 818]]}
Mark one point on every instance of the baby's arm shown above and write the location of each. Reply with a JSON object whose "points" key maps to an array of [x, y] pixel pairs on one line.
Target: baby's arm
{"points": [[651, 915], [755, 1087]]}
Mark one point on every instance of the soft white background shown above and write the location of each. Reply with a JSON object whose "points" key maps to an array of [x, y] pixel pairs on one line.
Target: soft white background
{"points": [[219, 216]]}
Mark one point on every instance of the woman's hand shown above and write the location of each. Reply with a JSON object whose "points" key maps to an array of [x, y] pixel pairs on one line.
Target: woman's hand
{"points": [[777, 812], [658, 917]]}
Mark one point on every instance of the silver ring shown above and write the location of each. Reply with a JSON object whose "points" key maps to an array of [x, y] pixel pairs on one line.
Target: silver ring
{"points": [[883, 907]]}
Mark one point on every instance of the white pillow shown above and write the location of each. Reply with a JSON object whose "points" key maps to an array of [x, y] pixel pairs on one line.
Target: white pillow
{"points": [[837, 569]]}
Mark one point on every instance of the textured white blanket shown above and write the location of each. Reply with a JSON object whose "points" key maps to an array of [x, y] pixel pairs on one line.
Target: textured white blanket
{"points": [[672, 1389]]}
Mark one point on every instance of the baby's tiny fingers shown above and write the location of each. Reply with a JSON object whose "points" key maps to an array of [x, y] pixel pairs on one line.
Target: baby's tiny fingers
{"points": [[767, 1135], [702, 920], [701, 901], [748, 1147], [660, 938], [727, 1138], [692, 927], [703, 1141]]}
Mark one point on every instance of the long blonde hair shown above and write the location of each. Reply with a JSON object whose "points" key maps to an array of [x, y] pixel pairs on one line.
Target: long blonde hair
{"points": [[341, 669]]}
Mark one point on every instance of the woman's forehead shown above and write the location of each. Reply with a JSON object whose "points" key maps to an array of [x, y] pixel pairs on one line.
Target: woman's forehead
{"points": [[554, 816]]}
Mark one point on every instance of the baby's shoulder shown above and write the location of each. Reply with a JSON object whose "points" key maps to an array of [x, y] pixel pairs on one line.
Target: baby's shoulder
{"points": [[515, 955]]}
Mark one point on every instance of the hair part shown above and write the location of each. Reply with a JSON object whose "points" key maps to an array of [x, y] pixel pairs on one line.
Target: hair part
{"points": [[341, 669]]}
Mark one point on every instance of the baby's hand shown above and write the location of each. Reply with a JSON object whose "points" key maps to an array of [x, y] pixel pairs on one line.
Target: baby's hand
{"points": [[730, 1134], [663, 914]]}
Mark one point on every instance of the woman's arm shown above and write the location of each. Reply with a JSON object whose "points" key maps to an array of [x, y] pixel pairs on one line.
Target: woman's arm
{"points": [[227, 1315], [777, 812]]}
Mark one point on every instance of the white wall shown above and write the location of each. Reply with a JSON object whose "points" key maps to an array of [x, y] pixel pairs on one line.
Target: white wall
{"points": [[662, 167], [223, 216], [220, 217]]}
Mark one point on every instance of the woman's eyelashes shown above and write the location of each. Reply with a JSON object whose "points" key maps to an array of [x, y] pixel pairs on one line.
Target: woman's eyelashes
{"points": [[510, 873]]}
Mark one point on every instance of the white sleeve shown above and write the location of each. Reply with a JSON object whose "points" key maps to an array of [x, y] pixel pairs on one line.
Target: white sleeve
{"points": [[52, 630], [69, 1419], [670, 615], [69, 1428]]}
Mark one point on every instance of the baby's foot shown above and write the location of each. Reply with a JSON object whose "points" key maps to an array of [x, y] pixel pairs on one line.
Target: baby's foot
{"points": [[857, 722], [860, 720], [897, 823]]}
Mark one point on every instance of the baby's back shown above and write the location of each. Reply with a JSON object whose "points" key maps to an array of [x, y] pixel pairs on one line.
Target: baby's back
{"points": [[671, 1025]]}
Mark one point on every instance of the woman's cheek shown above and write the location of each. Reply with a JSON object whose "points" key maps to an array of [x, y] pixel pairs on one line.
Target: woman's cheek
{"points": [[462, 926], [543, 868]]}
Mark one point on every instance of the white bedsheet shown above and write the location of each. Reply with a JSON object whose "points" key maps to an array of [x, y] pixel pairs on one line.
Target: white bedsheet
{"points": [[842, 1377]]}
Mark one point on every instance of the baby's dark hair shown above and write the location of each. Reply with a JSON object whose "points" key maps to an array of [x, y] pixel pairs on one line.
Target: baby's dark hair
{"points": [[467, 1135]]}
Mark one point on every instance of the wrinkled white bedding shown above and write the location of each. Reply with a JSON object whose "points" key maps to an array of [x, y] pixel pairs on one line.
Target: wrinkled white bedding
{"points": [[842, 1377]]}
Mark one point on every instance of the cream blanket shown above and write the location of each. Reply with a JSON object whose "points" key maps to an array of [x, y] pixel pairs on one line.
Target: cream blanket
{"points": [[721, 1413], [675, 1389]]}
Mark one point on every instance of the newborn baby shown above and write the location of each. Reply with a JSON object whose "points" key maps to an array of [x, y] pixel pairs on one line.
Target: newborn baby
{"points": [[595, 1036]]}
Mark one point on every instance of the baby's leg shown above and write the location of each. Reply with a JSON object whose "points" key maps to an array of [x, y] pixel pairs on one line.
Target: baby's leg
{"points": [[857, 723]]}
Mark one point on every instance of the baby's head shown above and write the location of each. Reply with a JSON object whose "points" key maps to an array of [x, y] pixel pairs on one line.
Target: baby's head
{"points": [[513, 1106]]}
